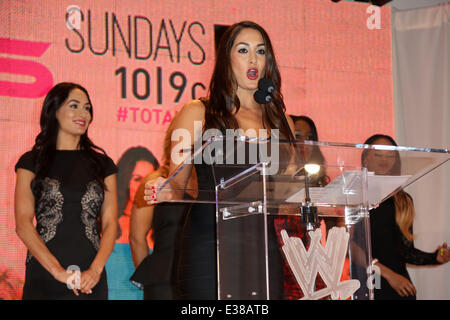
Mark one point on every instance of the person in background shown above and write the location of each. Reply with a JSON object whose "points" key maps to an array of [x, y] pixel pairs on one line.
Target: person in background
{"points": [[391, 229], [155, 272], [134, 164], [66, 182], [305, 129], [132, 167]]}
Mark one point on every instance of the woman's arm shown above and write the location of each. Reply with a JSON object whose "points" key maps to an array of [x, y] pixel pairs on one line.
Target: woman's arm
{"points": [[399, 283], [108, 213], [25, 229], [187, 127], [415, 256], [140, 224]]}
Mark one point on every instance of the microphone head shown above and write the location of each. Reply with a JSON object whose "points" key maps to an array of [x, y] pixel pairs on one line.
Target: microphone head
{"points": [[262, 97], [265, 84]]}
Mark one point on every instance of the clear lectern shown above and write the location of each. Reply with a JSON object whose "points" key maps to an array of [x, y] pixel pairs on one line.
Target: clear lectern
{"points": [[292, 220]]}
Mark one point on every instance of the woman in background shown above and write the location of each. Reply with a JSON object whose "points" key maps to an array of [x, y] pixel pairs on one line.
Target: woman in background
{"points": [[155, 272], [66, 184], [391, 229], [305, 129], [134, 164]]}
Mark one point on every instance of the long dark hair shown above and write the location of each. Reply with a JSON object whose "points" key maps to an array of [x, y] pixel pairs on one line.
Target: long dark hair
{"points": [[125, 167], [222, 88], [311, 124], [404, 206], [44, 148]]}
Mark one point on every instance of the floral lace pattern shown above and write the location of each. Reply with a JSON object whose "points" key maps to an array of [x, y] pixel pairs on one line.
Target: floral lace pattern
{"points": [[415, 256], [48, 210], [91, 203]]}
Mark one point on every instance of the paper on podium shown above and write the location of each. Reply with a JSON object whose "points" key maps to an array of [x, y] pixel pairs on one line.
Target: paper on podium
{"points": [[347, 189]]}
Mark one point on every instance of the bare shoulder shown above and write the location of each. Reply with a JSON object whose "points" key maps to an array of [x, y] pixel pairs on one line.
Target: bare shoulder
{"points": [[192, 111], [194, 108]]}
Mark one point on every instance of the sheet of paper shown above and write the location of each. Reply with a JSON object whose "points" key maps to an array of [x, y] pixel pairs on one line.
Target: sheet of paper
{"points": [[347, 189]]}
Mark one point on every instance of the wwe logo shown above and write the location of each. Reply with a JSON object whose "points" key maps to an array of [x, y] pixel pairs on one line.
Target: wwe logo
{"points": [[328, 262]]}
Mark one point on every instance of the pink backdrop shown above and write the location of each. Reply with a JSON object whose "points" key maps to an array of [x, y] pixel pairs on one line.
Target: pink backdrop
{"points": [[334, 69]]}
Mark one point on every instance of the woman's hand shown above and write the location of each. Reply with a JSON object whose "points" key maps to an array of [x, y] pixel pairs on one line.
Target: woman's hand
{"points": [[69, 277], [89, 279], [443, 254], [151, 190], [400, 284]]}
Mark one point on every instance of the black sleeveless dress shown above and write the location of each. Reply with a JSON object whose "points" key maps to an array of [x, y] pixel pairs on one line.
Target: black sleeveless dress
{"points": [[197, 269], [67, 204], [156, 273]]}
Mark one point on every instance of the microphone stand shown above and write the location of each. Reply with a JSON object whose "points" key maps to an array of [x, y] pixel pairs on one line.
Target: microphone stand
{"points": [[308, 211]]}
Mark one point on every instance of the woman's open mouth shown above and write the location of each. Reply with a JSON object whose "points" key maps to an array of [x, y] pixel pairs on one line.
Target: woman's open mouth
{"points": [[252, 73]]}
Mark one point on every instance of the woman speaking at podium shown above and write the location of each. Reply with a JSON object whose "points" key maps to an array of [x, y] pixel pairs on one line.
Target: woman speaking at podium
{"points": [[244, 56]]}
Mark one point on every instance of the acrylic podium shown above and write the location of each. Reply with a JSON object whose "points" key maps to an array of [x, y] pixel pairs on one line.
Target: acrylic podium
{"points": [[286, 231]]}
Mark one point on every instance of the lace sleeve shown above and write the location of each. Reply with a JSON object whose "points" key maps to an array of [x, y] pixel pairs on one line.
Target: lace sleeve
{"points": [[416, 256]]}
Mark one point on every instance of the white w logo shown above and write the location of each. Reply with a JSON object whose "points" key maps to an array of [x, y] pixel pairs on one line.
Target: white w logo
{"points": [[328, 261]]}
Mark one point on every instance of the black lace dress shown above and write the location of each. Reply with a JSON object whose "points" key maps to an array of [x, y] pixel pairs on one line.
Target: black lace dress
{"points": [[392, 249], [67, 204], [156, 273]]}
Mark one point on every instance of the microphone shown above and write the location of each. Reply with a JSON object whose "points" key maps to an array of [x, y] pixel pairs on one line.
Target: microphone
{"points": [[262, 97], [264, 93], [265, 84]]}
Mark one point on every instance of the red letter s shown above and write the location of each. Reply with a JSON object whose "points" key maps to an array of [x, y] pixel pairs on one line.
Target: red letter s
{"points": [[43, 77]]}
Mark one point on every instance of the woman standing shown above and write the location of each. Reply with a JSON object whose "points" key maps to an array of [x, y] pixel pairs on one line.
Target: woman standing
{"points": [[66, 184], [244, 56], [155, 272], [132, 167], [391, 229]]}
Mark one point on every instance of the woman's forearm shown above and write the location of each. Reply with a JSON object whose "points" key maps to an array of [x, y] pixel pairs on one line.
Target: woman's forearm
{"points": [[139, 250], [107, 241], [385, 271], [140, 225], [30, 237]]}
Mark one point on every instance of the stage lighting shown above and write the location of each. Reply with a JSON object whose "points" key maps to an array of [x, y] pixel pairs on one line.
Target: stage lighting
{"points": [[312, 168]]}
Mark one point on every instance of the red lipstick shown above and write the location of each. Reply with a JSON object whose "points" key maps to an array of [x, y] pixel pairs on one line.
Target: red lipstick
{"points": [[252, 73]]}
